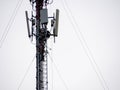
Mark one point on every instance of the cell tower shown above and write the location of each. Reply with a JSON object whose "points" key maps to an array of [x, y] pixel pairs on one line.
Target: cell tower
{"points": [[39, 21]]}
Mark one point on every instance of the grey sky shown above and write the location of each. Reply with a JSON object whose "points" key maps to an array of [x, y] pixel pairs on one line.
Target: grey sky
{"points": [[99, 23]]}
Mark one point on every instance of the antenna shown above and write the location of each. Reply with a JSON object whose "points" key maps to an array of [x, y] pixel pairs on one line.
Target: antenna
{"points": [[39, 21], [55, 31], [33, 23], [26, 13], [44, 16]]}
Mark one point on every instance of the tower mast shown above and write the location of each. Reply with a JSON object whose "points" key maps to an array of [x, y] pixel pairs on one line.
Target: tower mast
{"points": [[41, 61], [39, 22]]}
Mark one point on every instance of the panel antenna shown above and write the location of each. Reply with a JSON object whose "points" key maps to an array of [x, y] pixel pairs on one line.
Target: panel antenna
{"points": [[55, 30], [26, 13]]}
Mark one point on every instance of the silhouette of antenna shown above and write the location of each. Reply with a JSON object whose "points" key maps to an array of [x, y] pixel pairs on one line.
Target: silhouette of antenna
{"points": [[28, 28], [55, 30], [39, 22]]}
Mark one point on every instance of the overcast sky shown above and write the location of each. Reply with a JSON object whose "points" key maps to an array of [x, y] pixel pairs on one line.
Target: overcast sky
{"points": [[86, 53]]}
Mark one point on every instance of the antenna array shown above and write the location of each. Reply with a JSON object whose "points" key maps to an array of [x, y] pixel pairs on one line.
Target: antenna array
{"points": [[39, 21]]}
